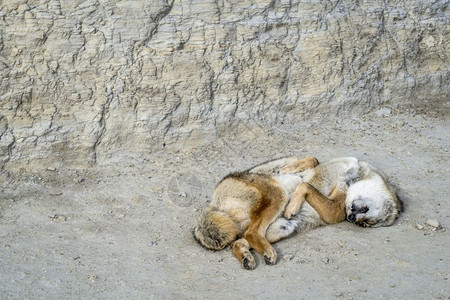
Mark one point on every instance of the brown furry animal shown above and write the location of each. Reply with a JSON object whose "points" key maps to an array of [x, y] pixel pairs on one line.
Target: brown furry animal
{"points": [[247, 206]]}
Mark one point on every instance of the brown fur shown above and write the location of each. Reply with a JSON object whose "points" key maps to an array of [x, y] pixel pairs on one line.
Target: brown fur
{"points": [[244, 204], [251, 202], [247, 206], [331, 208]]}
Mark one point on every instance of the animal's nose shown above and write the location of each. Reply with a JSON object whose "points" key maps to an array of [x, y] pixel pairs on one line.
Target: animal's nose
{"points": [[351, 218]]}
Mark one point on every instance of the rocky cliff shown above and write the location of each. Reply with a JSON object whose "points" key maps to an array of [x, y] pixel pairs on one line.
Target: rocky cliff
{"points": [[81, 80]]}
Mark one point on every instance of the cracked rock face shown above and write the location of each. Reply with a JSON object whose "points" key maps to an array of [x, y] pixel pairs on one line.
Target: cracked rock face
{"points": [[83, 79]]}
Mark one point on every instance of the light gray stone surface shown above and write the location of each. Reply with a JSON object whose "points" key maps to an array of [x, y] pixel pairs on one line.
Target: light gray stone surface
{"points": [[82, 80]]}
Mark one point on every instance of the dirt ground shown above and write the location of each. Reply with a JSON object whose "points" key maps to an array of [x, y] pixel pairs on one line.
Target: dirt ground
{"points": [[123, 229]]}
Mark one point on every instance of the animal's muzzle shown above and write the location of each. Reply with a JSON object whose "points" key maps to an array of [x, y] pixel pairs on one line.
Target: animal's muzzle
{"points": [[351, 218]]}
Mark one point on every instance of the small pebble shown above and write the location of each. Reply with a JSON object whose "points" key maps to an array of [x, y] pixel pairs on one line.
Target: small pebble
{"points": [[433, 223], [288, 257], [419, 226], [326, 260]]}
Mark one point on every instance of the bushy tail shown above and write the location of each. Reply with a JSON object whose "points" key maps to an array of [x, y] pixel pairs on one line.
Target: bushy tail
{"points": [[215, 229]]}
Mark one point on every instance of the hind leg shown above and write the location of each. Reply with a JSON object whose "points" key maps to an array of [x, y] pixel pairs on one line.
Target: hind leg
{"points": [[262, 246], [278, 230], [241, 249], [255, 235]]}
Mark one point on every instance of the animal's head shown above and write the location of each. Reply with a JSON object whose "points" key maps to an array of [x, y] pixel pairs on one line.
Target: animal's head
{"points": [[370, 212]]}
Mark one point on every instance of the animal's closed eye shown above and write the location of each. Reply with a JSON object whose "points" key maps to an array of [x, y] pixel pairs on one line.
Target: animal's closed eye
{"points": [[363, 210]]}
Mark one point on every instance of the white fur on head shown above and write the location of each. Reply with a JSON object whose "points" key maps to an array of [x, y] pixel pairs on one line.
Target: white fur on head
{"points": [[370, 203]]}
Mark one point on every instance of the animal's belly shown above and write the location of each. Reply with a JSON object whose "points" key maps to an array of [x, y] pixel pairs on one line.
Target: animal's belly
{"points": [[288, 183]]}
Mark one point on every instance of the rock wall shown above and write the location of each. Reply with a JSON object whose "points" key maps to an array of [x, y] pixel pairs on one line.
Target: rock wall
{"points": [[83, 79]]}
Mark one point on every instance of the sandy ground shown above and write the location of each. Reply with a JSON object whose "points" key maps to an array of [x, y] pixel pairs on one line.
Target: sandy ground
{"points": [[123, 229]]}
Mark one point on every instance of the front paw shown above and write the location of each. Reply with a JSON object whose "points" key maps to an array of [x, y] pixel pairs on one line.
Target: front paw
{"points": [[290, 212]]}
